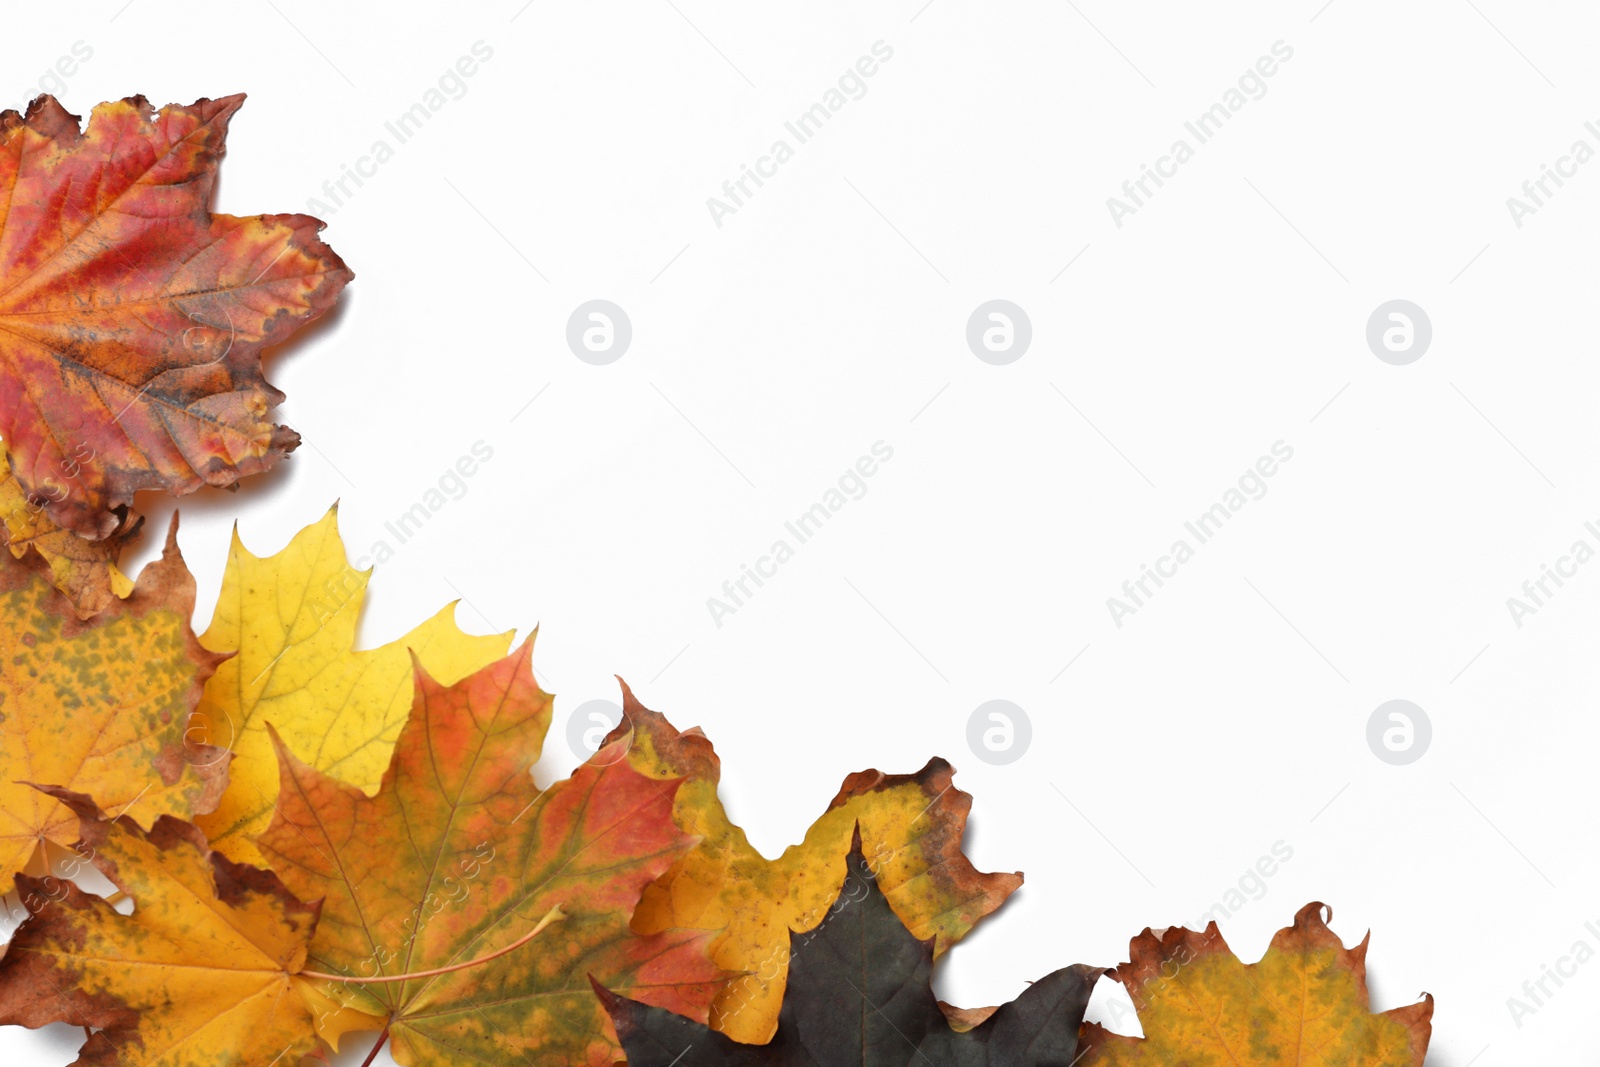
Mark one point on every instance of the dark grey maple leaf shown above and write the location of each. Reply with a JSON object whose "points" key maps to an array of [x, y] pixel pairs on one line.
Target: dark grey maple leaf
{"points": [[859, 996]]}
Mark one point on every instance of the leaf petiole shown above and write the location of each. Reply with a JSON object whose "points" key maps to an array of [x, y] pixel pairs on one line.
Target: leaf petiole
{"points": [[376, 1045], [555, 914]]}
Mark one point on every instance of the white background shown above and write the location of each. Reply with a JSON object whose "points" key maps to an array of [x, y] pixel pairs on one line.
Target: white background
{"points": [[829, 313]]}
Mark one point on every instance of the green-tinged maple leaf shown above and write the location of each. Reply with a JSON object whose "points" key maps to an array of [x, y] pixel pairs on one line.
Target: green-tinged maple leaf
{"points": [[460, 855], [858, 995]]}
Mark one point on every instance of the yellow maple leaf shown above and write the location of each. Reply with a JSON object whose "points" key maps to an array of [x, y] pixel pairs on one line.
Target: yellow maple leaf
{"points": [[291, 618]]}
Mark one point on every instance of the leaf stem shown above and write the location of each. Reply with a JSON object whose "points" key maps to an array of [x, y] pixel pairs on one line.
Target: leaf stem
{"points": [[555, 914], [376, 1045]]}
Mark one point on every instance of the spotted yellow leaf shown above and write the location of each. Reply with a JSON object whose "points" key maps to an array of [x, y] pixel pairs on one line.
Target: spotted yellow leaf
{"points": [[1305, 1002], [103, 707]]}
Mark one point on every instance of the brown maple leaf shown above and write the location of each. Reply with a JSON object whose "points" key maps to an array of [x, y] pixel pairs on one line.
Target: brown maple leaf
{"points": [[132, 320]]}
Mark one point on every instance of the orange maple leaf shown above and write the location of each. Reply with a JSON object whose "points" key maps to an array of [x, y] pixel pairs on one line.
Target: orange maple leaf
{"points": [[460, 856], [132, 320]]}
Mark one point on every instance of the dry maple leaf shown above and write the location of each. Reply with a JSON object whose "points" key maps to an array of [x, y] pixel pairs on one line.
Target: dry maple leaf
{"points": [[460, 854], [202, 972], [858, 996], [101, 707], [1305, 1002], [85, 571], [132, 320], [291, 618], [912, 826]]}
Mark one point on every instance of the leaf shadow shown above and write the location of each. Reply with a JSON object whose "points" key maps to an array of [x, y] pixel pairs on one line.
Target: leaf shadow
{"points": [[253, 493]]}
